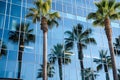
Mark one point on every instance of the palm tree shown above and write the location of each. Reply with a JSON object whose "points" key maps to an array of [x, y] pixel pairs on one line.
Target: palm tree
{"points": [[3, 50], [119, 74], [42, 13], [23, 35], [50, 71], [117, 46], [107, 10], [81, 38], [58, 54], [90, 74], [104, 61]]}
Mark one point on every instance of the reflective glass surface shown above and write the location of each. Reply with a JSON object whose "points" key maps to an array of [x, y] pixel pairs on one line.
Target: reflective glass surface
{"points": [[14, 41]]}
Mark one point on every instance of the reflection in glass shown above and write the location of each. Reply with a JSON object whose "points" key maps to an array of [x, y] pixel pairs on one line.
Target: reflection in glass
{"points": [[104, 61], [58, 55], [81, 38], [22, 34]]}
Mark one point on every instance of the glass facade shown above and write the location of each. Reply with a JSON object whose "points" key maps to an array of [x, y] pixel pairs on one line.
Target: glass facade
{"points": [[12, 12]]}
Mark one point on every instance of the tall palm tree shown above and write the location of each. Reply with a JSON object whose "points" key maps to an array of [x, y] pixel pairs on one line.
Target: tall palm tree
{"points": [[3, 49], [50, 71], [58, 54], [47, 19], [103, 62], [90, 74], [23, 35], [107, 10], [117, 46], [81, 38]]}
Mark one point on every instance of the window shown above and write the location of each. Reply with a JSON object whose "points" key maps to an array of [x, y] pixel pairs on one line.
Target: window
{"points": [[17, 2], [15, 10], [13, 23], [1, 20], [2, 7]]}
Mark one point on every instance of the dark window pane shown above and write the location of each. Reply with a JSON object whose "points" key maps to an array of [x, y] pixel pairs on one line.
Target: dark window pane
{"points": [[9, 0], [2, 7], [8, 9], [6, 22], [1, 33], [23, 12], [15, 10], [1, 20]]}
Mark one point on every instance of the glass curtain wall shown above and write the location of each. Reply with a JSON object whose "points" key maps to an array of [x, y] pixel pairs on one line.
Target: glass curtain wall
{"points": [[72, 12]]}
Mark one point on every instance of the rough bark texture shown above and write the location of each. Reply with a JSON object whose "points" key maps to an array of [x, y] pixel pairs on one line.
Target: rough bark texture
{"points": [[60, 68], [44, 27], [21, 49], [80, 57], [108, 31]]}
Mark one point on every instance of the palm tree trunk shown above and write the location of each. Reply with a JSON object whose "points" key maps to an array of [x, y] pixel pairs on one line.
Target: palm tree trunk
{"points": [[106, 71], [44, 27], [108, 31], [21, 49], [60, 68], [80, 57]]}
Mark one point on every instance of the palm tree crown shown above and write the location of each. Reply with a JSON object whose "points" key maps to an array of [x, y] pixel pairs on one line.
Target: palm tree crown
{"points": [[80, 37], [106, 9], [42, 10], [22, 33], [50, 70], [90, 74], [58, 54], [104, 61]]}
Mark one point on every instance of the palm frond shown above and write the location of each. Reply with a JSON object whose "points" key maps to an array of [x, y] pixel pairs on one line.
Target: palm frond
{"points": [[92, 16], [117, 5], [99, 67]]}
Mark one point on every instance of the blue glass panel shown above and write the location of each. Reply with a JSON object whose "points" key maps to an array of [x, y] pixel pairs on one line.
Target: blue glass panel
{"points": [[1, 21], [17, 2], [6, 22], [9, 0], [2, 68], [28, 57], [23, 12], [58, 7], [2, 7], [12, 55], [8, 9], [27, 68], [15, 10], [5, 36], [53, 6], [13, 23], [10, 69], [24, 3], [1, 33]]}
